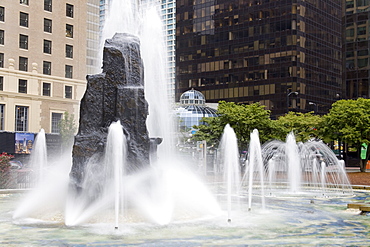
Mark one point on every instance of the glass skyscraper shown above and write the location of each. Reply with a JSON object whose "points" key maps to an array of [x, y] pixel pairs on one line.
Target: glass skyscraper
{"points": [[356, 49], [285, 54]]}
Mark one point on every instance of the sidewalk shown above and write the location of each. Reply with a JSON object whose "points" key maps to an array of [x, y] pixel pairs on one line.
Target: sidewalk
{"points": [[355, 169]]}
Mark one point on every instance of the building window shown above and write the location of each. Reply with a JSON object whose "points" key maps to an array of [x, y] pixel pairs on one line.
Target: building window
{"points": [[69, 51], [2, 109], [23, 19], [23, 63], [23, 41], [1, 83], [46, 68], [48, 5], [24, 2], [1, 37], [47, 25], [69, 31], [69, 71], [1, 60], [47, 46], [46, 88], [22, 86], [2, 13], [21, 118], [55, 119], [69, 10], [68, 92]]}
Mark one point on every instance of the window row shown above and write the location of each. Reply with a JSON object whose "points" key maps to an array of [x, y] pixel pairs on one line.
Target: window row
{"points": [[24, 20], [22, 119], [48, 27], [46, 88], [48, 6], [23, 44], [23, 66]]}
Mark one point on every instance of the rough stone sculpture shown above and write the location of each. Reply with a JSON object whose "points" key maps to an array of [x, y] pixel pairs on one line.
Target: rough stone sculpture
{"points": [[115, 94]]}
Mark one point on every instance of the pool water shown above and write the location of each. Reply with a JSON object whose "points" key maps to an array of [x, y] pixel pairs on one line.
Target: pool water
{"points": [[286, 221]]}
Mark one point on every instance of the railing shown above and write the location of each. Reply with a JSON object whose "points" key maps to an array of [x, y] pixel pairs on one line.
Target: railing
{"points": [[17, 179]]}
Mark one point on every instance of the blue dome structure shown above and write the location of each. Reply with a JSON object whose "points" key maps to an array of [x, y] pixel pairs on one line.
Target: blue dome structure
{"points": [[192, 109]]}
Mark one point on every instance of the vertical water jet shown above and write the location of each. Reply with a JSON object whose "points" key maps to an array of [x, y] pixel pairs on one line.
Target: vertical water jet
{"points": [[38, 159], [230, 165]]}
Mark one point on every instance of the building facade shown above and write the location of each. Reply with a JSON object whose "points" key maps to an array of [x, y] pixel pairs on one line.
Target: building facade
{"points": [[285, 54], [93, 62], [356, 49], [42, 62], [168, 13]]}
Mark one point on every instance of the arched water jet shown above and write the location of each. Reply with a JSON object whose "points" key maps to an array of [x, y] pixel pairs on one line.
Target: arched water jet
{"points": [[301, 167]]}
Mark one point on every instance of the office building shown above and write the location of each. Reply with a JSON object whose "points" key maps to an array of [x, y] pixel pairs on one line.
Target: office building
{"points": [[285, 54], [356, 49]]}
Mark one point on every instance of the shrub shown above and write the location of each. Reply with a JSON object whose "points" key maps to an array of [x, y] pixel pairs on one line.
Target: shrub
{"points": [[4, 162]]}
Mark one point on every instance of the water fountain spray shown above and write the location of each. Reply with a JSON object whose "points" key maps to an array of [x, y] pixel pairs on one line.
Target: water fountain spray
{"points": [[231, 166]]}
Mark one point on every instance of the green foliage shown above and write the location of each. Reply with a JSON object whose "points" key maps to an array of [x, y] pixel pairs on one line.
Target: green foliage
{"points": [[242, 118], [303, 125], [67, 128], [349, 121]]}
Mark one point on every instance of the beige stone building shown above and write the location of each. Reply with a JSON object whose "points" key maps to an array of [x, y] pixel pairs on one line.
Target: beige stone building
{"points": [[44, 60]]}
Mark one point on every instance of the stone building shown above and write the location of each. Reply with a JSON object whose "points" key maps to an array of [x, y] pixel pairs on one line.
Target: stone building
{"points": [[43, 61]]}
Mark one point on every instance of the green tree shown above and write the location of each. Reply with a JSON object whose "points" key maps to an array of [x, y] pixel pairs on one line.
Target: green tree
{"points": [[303, 125], [242, 118], [67, 129], [349, 121]]}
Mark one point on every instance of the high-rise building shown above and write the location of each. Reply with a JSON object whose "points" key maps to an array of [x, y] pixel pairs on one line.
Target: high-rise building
{"points": [[356, 49], [168, 13], [93, 62], [45, 47], [285, 54]]}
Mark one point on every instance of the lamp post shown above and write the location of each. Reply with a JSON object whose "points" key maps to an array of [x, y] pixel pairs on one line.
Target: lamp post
{"points": [[287, 99], [316, 106]]}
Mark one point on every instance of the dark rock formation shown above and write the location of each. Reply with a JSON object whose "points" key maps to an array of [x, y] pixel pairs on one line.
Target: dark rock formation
{"points": [[115, 94]]}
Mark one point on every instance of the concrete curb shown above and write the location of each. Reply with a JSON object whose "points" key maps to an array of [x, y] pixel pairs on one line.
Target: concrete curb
{"points": [[13, 191]]}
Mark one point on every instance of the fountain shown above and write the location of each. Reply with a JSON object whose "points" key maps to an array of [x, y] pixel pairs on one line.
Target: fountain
{"points": [[303, 167], [110, 193], [230, 165], [38, 159]]}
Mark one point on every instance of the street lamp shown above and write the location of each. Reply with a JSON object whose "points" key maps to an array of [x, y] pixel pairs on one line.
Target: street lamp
{"points": [[316, 106], [287, 99]]}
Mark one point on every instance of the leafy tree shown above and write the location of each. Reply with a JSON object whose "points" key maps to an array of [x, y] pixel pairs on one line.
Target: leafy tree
{"points": [[303, 125], [242, 118], [349, 121], [67, 129]]}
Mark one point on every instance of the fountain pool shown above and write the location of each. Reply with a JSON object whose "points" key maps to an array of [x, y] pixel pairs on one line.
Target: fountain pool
{"points": [[285, 221], [168, 206]]}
